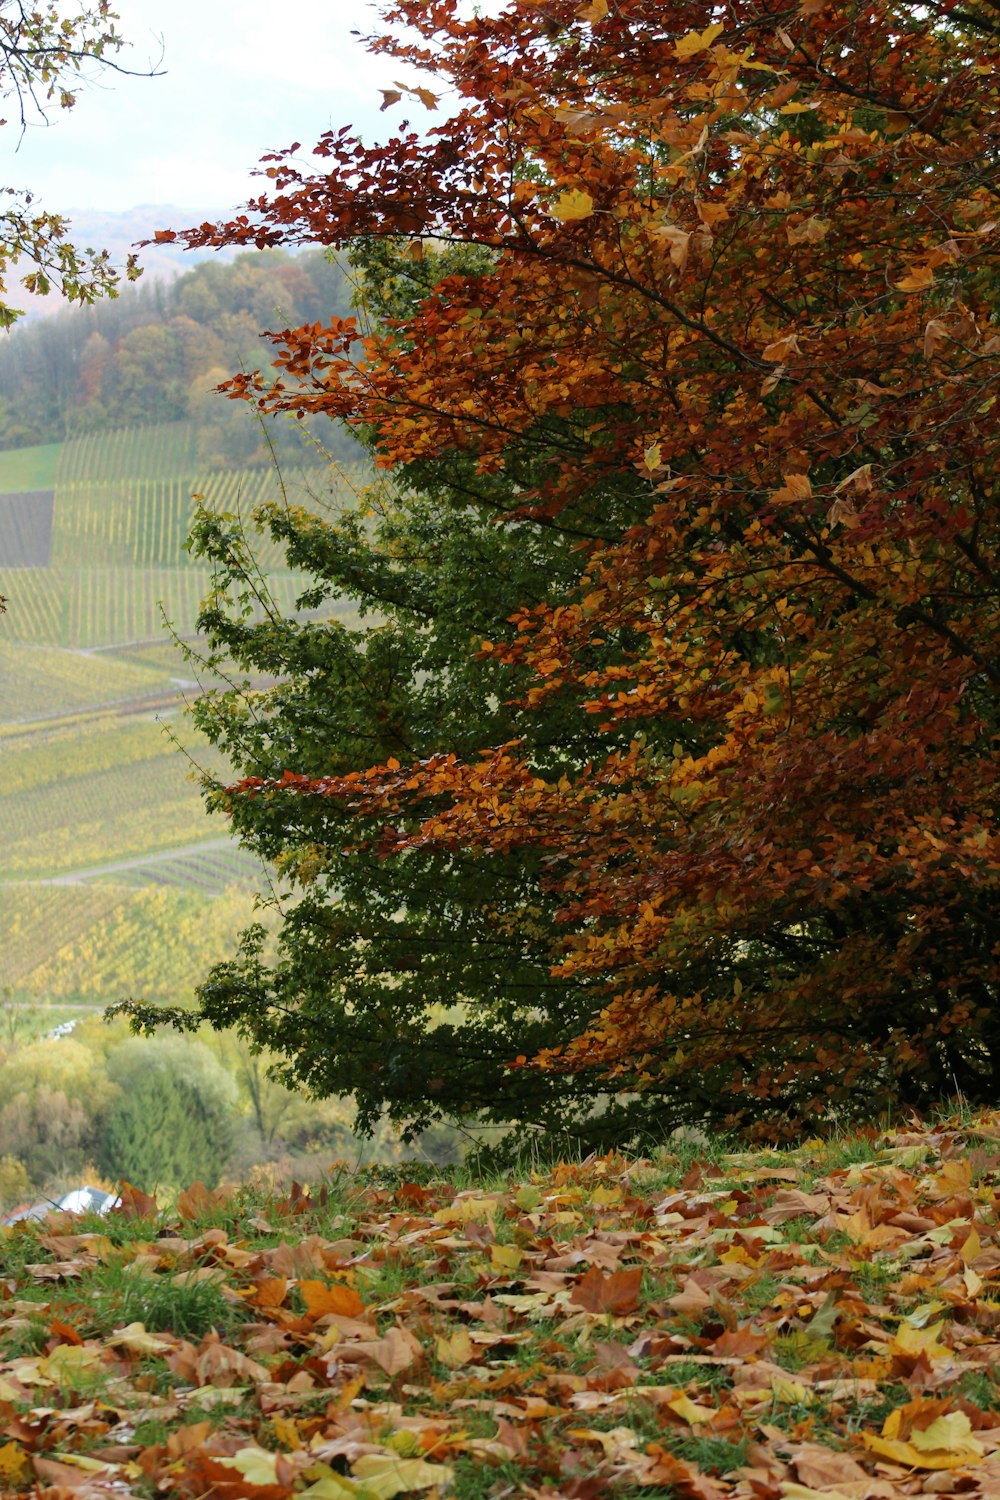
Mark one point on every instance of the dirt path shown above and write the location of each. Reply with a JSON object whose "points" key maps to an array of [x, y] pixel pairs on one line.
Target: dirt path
{"points": [[77, 877]]}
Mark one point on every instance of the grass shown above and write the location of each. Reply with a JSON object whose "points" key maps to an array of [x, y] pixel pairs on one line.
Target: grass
{"points": [[29, 468]]}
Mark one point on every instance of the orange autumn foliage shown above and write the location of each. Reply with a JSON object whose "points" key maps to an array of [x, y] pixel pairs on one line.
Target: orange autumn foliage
{"points": [[740, 305]]}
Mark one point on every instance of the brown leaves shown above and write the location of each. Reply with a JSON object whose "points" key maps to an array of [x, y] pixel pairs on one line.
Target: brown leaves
{"points": [[616, 1293], [579, 1314]]}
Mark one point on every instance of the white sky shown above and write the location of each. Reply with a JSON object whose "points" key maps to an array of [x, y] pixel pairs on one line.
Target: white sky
{"points": [[241, 78]]}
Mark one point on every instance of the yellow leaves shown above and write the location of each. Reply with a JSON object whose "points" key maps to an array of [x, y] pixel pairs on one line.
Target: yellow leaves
{"points": [[505, 1258], [384, 1476], [910, 1340], [467, 1210], [796, 489], [694, 42], [455, 1350], [572, 205], [135, 1338], [652, 456], [595, 11], [376, 1476], [917, 279], [689, 1411], [15, 1466], [528, 1197], [945, 1441], [256, 1465]]}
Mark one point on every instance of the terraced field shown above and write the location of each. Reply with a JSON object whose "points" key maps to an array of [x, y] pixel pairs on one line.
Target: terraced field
{"points": [[113, 879], [33, 678], [113, 941]]}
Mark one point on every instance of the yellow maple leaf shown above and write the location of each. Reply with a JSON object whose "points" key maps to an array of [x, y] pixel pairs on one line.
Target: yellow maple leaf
{"points": [[383, 1475], [505, 1257], [911, 1340], [917, 279], [698, 41], [945, 1443], [572, 205]]}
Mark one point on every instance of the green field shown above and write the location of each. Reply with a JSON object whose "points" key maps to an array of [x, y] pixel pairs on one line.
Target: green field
{"points": [[33, 678], [99, 792], [29, 468], [166, 451]]}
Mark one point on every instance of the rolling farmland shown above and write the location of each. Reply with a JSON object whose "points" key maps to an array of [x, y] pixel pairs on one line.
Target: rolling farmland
{"points": [[114, 879], [33, 678], [113, 941]]}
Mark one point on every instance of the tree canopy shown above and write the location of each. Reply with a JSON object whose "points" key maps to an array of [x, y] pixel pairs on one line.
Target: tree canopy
{"points": [[668, 771]]}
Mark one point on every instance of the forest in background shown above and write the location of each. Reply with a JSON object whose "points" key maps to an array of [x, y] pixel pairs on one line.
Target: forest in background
{"points": [[156, 353]]}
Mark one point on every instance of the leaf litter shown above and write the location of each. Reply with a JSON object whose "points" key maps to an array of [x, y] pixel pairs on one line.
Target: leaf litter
{"points": [[767, 1326]]}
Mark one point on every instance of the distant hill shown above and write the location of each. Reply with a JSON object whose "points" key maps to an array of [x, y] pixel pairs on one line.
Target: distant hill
{"points": [[155, 354]]}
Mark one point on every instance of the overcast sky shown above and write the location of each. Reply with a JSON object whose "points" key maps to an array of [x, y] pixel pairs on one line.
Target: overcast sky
{"points": [[241, 77]]}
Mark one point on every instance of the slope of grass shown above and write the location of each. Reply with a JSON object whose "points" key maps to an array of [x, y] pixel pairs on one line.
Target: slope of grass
{"points": [[814, 1322], [29, 468]]}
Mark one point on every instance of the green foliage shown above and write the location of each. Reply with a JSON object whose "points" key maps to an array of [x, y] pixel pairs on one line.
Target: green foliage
{"points": [[411, 983], [172, 1124]]}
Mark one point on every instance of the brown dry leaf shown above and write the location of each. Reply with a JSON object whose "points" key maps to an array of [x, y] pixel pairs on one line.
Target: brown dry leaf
{"points": [[218, 1364], [791, 1203], [135, 1204], [917, 279], [616, 1293], [796, 488], [396, 1351], [820, 1468]]}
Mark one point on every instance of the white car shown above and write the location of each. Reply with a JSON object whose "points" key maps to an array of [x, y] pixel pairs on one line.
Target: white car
{"points": [[81, 1200]]}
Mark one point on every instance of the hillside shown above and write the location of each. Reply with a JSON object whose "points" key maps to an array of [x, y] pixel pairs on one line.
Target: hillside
{"points": [[102, 823], [701, 1324]]}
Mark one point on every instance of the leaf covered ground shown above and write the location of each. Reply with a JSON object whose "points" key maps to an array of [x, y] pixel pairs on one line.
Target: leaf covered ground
{"points": [[764, 1326]]}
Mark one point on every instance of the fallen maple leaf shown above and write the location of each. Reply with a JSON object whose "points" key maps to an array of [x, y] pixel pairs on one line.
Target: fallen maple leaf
{"points": [[616, 1293], [321, 1299]]}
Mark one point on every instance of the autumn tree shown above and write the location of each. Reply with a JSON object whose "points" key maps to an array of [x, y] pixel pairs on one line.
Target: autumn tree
{"points": [[700, 347]]}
